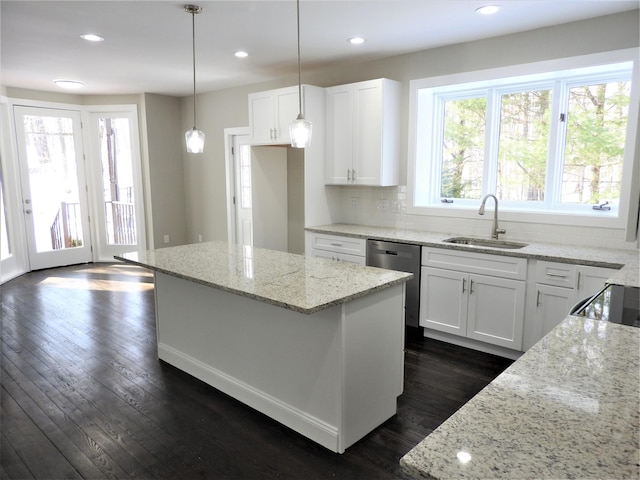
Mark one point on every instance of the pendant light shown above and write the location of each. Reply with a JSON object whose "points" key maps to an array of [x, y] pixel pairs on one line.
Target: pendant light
{"points": [[299, 129], [194, 137]]}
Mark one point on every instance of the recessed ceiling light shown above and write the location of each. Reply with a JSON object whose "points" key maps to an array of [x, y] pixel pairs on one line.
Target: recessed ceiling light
{"points": [[241, 54], [356, 40], [69, 84], [488, 9], [92, 37]]}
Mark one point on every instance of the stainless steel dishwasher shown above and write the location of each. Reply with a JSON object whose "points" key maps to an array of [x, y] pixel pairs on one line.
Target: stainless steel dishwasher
{"points": [[404, 258]]}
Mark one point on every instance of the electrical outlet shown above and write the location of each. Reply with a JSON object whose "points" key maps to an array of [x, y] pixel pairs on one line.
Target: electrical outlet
{"points": [[199, 238], [166, 239], [355, 202], [383, 204]]}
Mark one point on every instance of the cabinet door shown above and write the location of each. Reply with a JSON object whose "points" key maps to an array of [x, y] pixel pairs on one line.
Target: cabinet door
{"points": [[286, 111], [443, 300], [590, 280], [339, 135], [552, 307], [367, 136], [261, 120], [496, 310]]}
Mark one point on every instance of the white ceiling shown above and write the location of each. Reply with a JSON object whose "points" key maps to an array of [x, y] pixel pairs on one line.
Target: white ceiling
{"points": [[147, 45]]}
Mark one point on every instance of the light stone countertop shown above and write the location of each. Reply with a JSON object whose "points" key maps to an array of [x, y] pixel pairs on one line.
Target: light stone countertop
{"points": [[568, 408], [295, 282], [625, 260]]}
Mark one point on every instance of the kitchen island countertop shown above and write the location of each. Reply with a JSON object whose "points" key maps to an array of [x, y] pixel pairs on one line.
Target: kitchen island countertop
{"points": [[295, 282]]}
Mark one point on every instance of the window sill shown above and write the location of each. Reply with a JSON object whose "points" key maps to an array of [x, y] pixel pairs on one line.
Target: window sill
{"points": [[608, 219]]}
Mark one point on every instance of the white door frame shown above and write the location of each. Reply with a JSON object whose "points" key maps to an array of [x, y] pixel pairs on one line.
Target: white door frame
{"points": [[39, 258], [18, 263], [229, 134]]}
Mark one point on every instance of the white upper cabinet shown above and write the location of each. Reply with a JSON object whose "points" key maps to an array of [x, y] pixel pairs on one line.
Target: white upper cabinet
{"points": [[363, 133], [270, 114]]}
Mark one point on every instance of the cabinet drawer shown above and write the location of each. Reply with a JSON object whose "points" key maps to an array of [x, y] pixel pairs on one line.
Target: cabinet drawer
{"points": [[339, 257], [554, 273], [471, 262], [338, 244]]}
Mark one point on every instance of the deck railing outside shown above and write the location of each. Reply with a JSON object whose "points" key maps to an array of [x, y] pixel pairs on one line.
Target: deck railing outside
{"points": [[66, 228]]}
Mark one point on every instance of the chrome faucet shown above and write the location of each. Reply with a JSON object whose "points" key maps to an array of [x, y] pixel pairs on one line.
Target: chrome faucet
{"points": [[495, 230]]}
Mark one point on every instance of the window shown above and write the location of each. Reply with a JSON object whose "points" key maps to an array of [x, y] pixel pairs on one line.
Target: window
{"points": [[551, 142]]}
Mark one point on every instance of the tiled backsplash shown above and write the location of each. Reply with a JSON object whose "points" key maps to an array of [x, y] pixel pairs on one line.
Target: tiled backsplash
{"points": [[387, 207]]}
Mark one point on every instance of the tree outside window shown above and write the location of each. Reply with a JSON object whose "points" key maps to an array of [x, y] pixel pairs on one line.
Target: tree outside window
{"points": [[549, 142]]}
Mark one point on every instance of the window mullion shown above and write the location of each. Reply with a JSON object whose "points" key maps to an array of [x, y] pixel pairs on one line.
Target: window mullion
{"points": [[492, 138], [557, 137], [435, 179]]}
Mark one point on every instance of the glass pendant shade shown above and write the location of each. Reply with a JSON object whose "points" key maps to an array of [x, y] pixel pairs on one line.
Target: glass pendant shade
{"points": [[195, 140], [300, 132]]}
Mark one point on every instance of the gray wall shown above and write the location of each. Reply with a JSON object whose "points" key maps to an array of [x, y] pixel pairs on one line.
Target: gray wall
{"points": [[188, 192], [164, 143], [206, 195]]}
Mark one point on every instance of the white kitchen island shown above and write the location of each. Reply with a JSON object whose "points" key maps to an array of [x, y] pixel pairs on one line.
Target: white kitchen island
{"points": [[314, 344]]}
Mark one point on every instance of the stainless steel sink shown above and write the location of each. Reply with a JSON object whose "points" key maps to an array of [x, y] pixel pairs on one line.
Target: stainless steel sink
{"points": [[485, 242]]}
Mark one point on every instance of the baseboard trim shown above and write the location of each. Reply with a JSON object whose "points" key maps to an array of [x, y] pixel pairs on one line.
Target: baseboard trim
{"points": [[299, 421]]}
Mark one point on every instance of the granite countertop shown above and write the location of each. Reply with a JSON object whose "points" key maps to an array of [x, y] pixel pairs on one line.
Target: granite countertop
{"points": [[295, 282], [625, 260], [568, 408]]}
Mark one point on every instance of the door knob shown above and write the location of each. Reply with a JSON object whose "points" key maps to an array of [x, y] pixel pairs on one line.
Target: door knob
{"points": [[28, 211]]}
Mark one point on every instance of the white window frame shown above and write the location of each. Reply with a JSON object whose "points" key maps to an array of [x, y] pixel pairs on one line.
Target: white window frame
{"points": [[420, 172]]}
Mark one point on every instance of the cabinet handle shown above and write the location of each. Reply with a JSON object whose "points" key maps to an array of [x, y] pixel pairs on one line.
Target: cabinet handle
{"points": [[348, 174], [578, 282], [538, 299], [471, 286], [336, 244], [464, 281], [353, 175], [557, 275]]}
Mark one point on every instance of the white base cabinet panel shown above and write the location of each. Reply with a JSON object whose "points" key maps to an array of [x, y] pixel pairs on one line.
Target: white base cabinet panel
{"points": [[473, 295], [332, 376], [552, 306], [480, 307]]}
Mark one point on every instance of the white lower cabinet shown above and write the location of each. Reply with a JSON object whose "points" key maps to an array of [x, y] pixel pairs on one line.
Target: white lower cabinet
{"points": [[557, 287], [552, 306], [462, 301], [590, 280], [336, 247]]}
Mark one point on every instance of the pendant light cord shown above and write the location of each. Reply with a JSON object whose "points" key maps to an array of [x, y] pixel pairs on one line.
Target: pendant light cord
{"points": [[193, 42], [299, 69]]}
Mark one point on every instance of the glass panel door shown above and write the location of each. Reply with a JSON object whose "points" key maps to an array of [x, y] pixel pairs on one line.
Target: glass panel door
{"points": [[243, 200], [53, 185], [117, 184]]}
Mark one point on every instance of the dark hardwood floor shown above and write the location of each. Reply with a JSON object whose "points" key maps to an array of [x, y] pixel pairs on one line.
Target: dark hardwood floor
{"points": [[84, 395]]}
